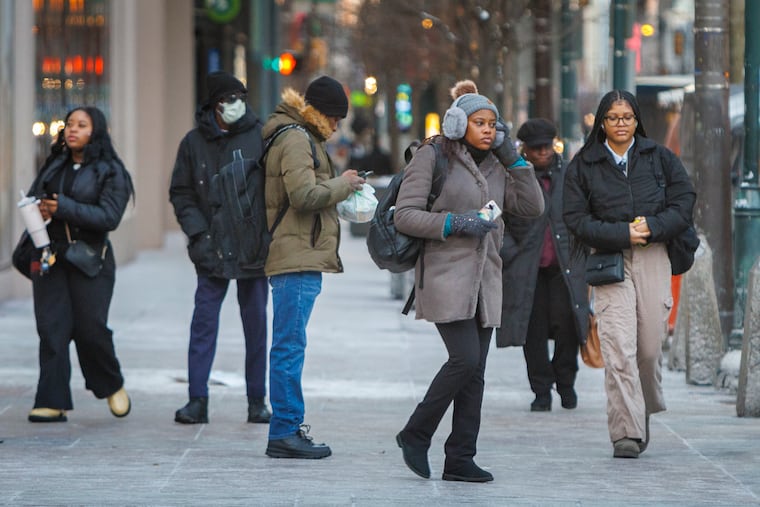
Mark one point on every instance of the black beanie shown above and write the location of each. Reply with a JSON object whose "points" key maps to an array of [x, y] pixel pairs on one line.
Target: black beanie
{"points": [[221, 83], [326, 95]]}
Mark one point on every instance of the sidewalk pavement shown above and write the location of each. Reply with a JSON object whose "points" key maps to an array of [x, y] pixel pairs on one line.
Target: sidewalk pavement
{"points": [[366, 368]]}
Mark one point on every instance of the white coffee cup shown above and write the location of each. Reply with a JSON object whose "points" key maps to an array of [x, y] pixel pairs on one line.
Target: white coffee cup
{"points": [[35, 225]]}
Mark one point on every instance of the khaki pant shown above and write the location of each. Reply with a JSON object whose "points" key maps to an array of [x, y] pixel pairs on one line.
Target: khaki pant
{"points": [[633, 317]]}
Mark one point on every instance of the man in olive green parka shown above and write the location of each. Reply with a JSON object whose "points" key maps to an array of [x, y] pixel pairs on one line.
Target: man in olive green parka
{"points": [[302, 190]]}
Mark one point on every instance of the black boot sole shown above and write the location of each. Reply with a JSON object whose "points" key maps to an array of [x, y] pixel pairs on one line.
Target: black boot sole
{"points": [[275, 453], [41, 419], [188, 420], [464, 478]]}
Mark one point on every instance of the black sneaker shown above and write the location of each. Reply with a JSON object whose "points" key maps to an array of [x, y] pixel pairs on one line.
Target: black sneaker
{"points": [[299, 446], [195, 412], [542, 403], [467, 473], [258, 411]]}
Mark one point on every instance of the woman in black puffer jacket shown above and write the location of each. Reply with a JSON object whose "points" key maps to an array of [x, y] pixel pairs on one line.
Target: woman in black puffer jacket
{"points": [[625, 193], [84, 190]]}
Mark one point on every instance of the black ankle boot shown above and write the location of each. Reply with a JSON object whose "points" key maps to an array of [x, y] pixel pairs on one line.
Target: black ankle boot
{"points": [[416, 458], [569, 397], [542, 403], [469, 472], [258, 411], [195, 412]]}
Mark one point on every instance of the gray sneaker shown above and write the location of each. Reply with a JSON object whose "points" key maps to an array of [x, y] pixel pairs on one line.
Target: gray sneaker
{"points": [[626, 448]]}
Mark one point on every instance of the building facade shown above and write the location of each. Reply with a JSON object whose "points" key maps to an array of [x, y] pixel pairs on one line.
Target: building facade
{"points": [[143, 62]]}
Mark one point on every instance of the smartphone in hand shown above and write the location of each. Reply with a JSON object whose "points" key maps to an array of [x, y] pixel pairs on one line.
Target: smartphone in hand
{"points": [[490, 211]]}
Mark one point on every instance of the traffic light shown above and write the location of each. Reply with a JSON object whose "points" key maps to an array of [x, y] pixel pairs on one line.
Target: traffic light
{"points": [[286, 64], [404, 107]]}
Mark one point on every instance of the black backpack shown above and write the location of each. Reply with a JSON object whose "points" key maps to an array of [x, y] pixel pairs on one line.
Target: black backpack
{"points": [[682, 248], [242, 188], [389, 248]]}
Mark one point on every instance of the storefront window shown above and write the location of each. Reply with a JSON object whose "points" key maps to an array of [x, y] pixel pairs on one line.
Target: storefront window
{"points": [[73, 64]]}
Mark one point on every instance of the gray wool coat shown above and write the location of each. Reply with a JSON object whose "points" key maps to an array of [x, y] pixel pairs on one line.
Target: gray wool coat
{"points": [[458, 275]]}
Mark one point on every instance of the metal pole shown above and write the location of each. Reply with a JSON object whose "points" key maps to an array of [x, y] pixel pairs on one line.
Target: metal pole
{"points": [[543, 103], [712, 151], [265, 42], [571, 33], [622, 15], [751, 90], [747, 197]]}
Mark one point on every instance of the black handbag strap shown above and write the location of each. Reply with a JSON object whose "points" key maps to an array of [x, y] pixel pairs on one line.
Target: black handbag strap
{"points": [[409, 302]]}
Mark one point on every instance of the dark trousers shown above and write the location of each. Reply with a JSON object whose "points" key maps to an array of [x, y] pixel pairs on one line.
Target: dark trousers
{"points": [[70, 306], [461, 380], [252, 294], [551, 318]]}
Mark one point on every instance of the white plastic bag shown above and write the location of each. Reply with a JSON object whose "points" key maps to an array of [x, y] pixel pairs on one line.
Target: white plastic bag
{"points": [[360, 205]]}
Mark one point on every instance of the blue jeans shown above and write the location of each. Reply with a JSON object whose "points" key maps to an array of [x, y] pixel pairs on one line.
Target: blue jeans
{"points": [[293, 297], [252, 294]]}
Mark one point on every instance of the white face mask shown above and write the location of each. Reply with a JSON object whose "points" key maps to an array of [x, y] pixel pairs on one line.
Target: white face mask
{"points": [[233, 112]]}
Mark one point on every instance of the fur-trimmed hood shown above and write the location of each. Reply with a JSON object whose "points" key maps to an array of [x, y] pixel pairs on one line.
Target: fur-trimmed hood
{"points": [[294, 109]]}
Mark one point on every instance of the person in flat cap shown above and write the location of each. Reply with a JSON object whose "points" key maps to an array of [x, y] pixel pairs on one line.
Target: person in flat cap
{"points": [[545, 295], [302, 190], [461, 291], [227, 138], [537, 133]]}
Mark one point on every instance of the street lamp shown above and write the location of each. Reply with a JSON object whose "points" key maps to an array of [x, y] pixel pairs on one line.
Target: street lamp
{"points": [[370, 85]]}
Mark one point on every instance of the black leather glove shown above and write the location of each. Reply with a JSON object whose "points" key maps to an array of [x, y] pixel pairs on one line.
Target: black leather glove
{"points": [[505, 151], [470, 224]]}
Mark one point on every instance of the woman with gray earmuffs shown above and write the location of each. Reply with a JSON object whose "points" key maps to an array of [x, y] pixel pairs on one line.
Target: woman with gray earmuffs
{"points": [[461, 292]]}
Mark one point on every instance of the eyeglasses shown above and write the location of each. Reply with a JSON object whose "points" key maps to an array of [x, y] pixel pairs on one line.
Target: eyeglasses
{"points": [[618, 120], [232, 97]]}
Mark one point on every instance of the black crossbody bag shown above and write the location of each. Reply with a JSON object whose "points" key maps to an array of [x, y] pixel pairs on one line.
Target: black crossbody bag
{"points": [[603, 268]]}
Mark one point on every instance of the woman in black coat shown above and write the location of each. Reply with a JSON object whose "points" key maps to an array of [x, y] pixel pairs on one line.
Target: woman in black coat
{"points": [[545, 292], [84, 190], [625, 193]]}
